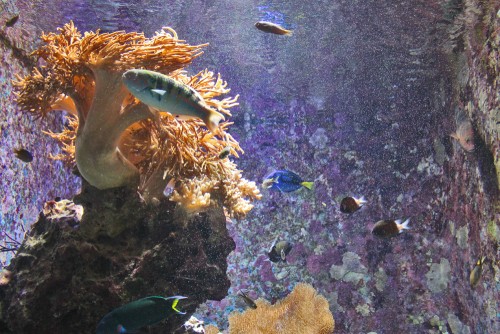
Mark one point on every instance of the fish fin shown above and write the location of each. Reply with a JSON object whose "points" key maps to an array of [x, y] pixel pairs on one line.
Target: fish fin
{"points": [[268, 183], [454, 136], [404, 226], [159, 91], [212, 119], [307, 184]]}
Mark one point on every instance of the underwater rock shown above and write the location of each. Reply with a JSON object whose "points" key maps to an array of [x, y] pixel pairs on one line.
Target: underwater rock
{"points": [[456, 326], [69, 273], [438, 276], [352, 270]]}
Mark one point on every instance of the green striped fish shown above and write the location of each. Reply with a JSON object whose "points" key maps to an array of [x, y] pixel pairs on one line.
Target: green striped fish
{"points": [[166, 94]]}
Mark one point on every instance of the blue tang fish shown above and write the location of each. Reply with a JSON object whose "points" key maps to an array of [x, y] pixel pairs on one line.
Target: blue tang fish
{"points": [[285, 181], [143, 312]]}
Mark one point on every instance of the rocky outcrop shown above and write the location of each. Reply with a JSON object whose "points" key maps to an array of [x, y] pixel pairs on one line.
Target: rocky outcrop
{"points": [[69, 273]]}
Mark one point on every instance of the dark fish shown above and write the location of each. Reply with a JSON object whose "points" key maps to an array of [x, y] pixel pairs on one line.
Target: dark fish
{"points": [[23, 155], [12, 21], [476, 273], [249, 301], [143, 312], [285, 181], [279, 250], [272, 28], [351, 204], [225, 152], [389, 228]]}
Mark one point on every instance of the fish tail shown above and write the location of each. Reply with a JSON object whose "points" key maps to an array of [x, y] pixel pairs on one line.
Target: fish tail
{"points": [[212, 119], [307, 184], [288, 32], [175, 302], [404, 226], [362, 200]]}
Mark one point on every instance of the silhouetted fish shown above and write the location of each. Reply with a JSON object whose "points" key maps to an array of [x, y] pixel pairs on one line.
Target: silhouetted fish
{"points": [[23, 155], [389, 228], [351, 204], [12, 21], [272, 28]]}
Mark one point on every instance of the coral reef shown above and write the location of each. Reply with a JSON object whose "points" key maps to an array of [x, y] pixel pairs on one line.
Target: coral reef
{"points": [[117, 141], [391, 80], [392, 77], [66, 276], [302, 311]]}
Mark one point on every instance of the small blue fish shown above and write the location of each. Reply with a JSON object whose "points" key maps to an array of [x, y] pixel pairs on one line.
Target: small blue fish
{"points": [[137, 314], [285, 181]]}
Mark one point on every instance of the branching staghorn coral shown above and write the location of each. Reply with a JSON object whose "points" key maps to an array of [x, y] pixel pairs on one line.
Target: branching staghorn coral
{"points": [[302, 311], [115, 139]]}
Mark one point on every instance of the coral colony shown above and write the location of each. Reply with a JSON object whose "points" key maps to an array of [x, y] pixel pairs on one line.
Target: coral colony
{"points": [[121, 147], [117, 141]]}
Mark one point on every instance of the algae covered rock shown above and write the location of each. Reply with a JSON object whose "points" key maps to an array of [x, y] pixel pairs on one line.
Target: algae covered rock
{"points": [[65, 279]]}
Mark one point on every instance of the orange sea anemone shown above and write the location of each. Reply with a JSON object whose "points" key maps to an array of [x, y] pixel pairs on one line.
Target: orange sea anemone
{"points": [[114, 139]]}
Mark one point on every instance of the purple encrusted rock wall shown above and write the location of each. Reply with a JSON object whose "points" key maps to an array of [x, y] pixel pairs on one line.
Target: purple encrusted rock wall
{"points": [[24, 187], [362, 100]]}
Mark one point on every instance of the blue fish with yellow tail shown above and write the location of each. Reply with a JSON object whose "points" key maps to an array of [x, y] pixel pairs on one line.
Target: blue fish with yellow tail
{"points": [[166, 94], [143, 312], [285, 181]]}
